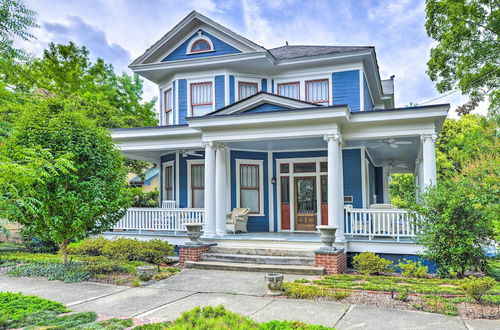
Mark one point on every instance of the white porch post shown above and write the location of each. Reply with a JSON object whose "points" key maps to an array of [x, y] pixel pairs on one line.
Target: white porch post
{"points": [[335, 198], [209, 189], [429, 159], [220, 190]]}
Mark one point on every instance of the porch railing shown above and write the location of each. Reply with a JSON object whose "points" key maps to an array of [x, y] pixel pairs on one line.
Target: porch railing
{"points": [[393, 223], [168, 204], [160, 219]]}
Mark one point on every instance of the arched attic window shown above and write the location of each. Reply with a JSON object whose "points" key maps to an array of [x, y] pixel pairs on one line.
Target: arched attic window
{"points": [[200, 44]]}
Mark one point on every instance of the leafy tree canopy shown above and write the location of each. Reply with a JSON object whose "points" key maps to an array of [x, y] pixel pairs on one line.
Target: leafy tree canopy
{"points": [[466, 56]]}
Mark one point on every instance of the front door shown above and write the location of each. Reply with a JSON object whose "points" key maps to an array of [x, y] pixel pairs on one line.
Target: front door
{"points": [[305, 203]]}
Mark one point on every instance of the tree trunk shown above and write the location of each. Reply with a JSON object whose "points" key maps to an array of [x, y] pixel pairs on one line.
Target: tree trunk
{"points": [[64, 252]]}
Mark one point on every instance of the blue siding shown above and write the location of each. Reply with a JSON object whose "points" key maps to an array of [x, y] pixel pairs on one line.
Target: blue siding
{"points": [[221, 48], [267, 107], [367, 99], [263, 85], [231, 89], [182, 99], [219, 92], [183, 177], [345, 89], [352, 174], [379, 184], [164, 159], [255, 223]]}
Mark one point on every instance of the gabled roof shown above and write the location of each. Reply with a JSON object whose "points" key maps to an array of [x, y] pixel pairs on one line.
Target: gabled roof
{"points": [[287, 52], [189, 23], [261, 98]]}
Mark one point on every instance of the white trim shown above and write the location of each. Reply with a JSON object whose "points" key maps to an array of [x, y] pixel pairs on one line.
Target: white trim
{"points": [[260, 163], [177, 178], [270, 189], [190, 162], [162, 184], [198, 38]]}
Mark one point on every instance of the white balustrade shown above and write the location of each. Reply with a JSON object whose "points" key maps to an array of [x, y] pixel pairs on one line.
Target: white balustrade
{"points": [[160, 219], [168, 205], [372, 223]]}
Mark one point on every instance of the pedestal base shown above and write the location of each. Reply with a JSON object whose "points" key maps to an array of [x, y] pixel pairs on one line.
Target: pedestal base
{"points": [[189, 252], [334, 260]]}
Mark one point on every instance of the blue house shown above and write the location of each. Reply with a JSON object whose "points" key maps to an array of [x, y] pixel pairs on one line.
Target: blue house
{"points": [[300, 135]]}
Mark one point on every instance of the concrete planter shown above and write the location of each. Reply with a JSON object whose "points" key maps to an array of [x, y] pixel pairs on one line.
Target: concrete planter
{"points": [[193, 233], [327, 235], [145, 274], [274, 282]]}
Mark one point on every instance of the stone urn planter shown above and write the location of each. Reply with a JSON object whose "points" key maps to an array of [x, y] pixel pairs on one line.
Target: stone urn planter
{"points": [[145, 274], [327, 235], [193, 233], [274, 282]]}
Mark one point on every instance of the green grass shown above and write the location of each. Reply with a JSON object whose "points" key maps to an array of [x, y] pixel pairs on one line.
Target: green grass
{"points": [[398, 284]]}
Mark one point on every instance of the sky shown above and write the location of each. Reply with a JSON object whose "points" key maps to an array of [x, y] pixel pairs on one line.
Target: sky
{"points": [[118, 31]]}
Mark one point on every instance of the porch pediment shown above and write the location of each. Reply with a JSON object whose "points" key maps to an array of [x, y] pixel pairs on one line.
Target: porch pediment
{"points": [[177, 44], [262, 102]]}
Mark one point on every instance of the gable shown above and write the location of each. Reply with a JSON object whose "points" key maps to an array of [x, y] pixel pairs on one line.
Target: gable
{"points": [[267, 107], [220, 48]]}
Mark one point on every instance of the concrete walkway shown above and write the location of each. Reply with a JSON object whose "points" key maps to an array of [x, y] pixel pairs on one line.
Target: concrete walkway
{"points": [[239, 292]]}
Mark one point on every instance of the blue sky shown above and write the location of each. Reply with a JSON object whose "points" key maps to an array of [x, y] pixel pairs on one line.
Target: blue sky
{"points": [[120, 30]]}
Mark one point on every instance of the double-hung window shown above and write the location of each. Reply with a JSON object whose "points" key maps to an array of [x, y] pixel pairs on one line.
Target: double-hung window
{"points": [[169, 182], [317, 91], [168, 106], [197, 185], [291, 90], [201, 98], [250, 185], [246, 89]]}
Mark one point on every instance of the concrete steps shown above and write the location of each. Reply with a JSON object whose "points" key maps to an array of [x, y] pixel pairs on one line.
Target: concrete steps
{"points": [[287, 261], [248, 267], [258, 259]]}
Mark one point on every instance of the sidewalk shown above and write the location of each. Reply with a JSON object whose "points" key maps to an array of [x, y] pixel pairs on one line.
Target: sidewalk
{"points": [[239, 292]]}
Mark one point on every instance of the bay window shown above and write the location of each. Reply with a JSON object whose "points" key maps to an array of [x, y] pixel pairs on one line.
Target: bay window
{"points": [[317, 91], [291, 90], [201, 98], [168, 106], [246, 89]]}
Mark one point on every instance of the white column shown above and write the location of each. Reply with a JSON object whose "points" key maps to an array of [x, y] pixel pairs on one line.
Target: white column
{"points": [[209, 189], [429, 159], [335, 198], [220, 190]]}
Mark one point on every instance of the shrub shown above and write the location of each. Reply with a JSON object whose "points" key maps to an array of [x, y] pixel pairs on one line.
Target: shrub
{"points": [[102, 265], [369, 263], [142, 199], [410, 268], [154, 251], [163, 274], [476, 287], [35, 244], [290, 325], [154, 326], [69, 273], [122, 249], [16, 306], [50, 320], [212, 318], [88, 247]]}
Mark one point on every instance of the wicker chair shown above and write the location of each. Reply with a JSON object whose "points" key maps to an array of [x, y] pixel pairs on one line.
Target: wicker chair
{"points": [[236, 221]]}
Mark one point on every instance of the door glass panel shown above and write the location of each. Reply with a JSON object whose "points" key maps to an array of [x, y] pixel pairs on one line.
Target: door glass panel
{"points": [[306, 201], [304, 167], [324, 190]]}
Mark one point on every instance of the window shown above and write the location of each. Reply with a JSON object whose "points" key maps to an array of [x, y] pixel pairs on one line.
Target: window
{"points": [[197, 185], [169, 183], [168, 100], [323, 167], [317, 91], [250, 185], [201, 45], [246, 89], [284, 168], [201, 98], [304, 167], [289, 90]]}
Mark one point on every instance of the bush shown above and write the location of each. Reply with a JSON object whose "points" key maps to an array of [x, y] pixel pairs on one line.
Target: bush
{"points": [[154, 251], [88, 247], [212, 318], [410, 268], [35, 244], [122, 249], [476, 287], [163, 274], [69, 273], [142, 199], [290, 325], [369, 263], [102, 265]]}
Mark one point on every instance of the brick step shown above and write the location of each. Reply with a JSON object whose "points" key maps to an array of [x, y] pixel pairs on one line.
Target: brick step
{"points": [[248, 267], [262, 251], [258, 259]]}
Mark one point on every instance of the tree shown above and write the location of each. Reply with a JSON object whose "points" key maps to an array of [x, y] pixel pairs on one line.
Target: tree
{"points": [[87, 200], [453, 229], [466, 56], [402, 189]]}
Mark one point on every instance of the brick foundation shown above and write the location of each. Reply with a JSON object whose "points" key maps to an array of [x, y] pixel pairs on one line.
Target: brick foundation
{"points": [[191, 253], [335, 262]]}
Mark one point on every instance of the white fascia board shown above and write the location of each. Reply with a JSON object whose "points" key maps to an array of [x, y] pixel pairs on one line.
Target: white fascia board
{"points": [[158, 145], [321, 58], [339, 113], [379, 130], [265, 98], [373, 116], [153, 132]]}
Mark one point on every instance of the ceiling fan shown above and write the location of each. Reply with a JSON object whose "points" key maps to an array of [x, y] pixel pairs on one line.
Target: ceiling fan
{"points": [[186, 153], [393, 143], [393, 164]]}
